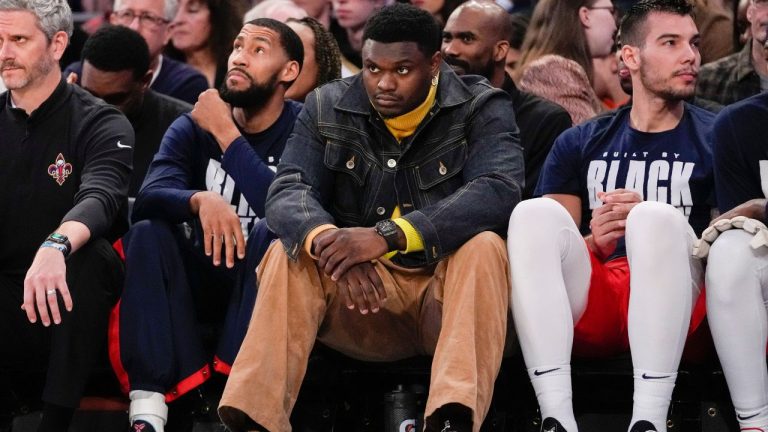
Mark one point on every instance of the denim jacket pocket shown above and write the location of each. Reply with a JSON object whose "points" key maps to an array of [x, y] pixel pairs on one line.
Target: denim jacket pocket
{"points": [[352, 171], [348, 160], [441, 167]]}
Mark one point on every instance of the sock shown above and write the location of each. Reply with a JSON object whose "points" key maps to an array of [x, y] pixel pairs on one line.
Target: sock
{"points": [[552, 385], [56, 418], [653, 391], [755, 419], [149, 407]]}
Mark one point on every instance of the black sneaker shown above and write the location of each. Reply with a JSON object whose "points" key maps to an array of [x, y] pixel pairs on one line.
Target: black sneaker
{"points": [[551, 425], [141, 426], [643, 426], [447, 427]]}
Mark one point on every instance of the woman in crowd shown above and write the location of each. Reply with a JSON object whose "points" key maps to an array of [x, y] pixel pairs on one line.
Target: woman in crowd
{"points": [[556, 63], [202, 33]]}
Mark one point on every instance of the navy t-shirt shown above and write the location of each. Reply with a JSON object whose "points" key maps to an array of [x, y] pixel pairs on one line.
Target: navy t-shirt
{"points": [[606, 153], [740, 147], [190, 160]]}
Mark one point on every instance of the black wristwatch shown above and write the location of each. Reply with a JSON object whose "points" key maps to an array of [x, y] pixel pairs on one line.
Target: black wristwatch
{"points": [[387, 228], [60, 239]]}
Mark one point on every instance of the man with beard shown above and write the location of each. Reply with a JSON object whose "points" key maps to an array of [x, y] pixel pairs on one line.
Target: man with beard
{"points": [[116, 69], [603, 263], [205, 190], [476, 41], [66, 159], [389, 246]]}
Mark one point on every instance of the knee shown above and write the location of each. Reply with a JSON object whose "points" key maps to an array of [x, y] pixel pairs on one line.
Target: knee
{"points": [[95, 268], [486, 242], [484, 249], [94, 255], [730, 260], [731, 245], [660, 220], [149, 227], [149, 231], [539, 214]]}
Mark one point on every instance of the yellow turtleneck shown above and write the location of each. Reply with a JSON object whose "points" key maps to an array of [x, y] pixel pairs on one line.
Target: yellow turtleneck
{"points": [[401, 127], [405, 125]]}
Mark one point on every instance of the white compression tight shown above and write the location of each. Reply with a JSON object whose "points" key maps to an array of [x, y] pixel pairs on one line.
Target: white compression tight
{"points": [[737, 289], [551, 269]]}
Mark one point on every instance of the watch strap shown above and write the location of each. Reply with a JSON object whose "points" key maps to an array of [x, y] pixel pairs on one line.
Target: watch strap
{"points": [[58, 246], [388, 229], [60, 239]]}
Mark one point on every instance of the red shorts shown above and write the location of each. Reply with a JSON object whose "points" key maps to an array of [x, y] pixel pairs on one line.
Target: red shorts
{"points": [[602, 329]]}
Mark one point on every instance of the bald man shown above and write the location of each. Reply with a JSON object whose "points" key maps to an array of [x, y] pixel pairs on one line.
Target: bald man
{"points": [[476, 41]]}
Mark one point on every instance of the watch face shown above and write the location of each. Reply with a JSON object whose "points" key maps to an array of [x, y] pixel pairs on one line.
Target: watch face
{"points": [[386, 227], [59, 237]]}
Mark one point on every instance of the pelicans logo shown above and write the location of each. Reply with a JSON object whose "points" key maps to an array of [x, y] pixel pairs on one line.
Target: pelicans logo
{"points": [[60, 169]]}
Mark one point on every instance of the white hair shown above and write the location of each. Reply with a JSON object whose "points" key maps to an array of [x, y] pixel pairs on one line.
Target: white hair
{"points": [[169, 8], [280, 10]]}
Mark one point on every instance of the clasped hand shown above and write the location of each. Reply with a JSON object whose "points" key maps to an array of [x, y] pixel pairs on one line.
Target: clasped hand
{"points": [[345, 255], [609, 221]]}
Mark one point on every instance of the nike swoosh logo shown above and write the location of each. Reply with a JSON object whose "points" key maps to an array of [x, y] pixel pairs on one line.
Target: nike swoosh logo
{"points": [[651, 377], [747, 417], [122, 145], [539, 373]]}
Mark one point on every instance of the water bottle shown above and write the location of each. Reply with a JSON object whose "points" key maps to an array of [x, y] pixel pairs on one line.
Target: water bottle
{"points": [[403, 411]]}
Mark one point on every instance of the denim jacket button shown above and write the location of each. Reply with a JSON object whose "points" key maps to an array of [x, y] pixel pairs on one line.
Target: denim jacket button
{"points": [[380, 211], [350, 164], [442, 170], [391, 163]]}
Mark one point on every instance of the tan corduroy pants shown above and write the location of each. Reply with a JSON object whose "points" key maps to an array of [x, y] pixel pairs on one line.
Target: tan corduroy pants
{"points": [[458, 313]]}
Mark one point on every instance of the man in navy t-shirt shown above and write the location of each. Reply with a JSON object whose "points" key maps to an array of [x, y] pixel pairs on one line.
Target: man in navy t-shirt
{"points": [[212, 172], [737, 282], [602, 264]]}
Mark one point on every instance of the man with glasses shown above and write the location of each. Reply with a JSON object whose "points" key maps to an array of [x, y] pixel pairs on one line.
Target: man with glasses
{"points": [[151, 18], [743, 74]]}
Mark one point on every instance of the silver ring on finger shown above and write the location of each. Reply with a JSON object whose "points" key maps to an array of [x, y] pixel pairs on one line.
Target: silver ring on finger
{"points": [[51, 291]]}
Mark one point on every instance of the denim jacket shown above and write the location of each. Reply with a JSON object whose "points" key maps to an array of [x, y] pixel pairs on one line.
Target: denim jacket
{"points": [[459, 174]]}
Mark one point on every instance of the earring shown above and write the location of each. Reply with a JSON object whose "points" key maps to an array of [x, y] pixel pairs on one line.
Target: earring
{"points": [[434, 81]]}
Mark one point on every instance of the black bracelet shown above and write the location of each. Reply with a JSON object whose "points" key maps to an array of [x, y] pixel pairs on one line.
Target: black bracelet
{"points": [[60, 239]]}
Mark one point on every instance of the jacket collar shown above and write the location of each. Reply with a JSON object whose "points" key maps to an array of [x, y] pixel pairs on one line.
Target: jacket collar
{"points": [[451, 91], [60, 93]]}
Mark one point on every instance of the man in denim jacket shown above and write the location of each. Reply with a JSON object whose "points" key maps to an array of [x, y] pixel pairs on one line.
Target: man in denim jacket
{"points": [[388, 199]]}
